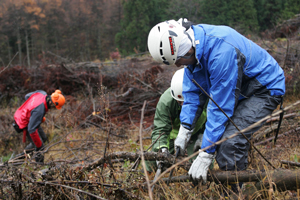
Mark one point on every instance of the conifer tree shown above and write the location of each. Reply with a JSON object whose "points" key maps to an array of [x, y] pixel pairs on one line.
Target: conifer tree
{"points": [[139, 17]]}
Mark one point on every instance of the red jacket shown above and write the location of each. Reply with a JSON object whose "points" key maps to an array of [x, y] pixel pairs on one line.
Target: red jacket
{"points": [[31, 113]]}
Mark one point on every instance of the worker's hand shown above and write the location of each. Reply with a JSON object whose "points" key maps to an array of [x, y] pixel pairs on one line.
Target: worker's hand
{"points": [[182, 139], [39, 157], [199, 168], [161, 164], [198, 143]]}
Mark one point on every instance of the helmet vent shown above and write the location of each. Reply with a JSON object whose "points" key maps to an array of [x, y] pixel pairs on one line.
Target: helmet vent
{"points": [[160, 50], [173, 33], [172, 93], [158, 28]]}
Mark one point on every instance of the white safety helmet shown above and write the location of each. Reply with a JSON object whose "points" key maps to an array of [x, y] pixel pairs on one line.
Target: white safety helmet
{"points": [[176, 85], [164, 40]]}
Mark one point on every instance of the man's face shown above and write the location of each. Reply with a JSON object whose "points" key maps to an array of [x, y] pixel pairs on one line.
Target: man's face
{"points": [[180, 103], [188, 60]]}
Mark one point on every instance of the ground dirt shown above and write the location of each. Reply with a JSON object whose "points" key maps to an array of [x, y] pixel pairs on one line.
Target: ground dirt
{"points": [[102, 116]]}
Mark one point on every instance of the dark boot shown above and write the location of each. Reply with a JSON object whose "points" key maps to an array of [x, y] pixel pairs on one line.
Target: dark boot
{"points": [[30, 147], [232, 190], [235, 187]]}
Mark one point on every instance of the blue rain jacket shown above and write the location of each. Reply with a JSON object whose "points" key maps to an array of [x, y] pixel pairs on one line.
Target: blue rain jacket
{"points": [[230, 67]]}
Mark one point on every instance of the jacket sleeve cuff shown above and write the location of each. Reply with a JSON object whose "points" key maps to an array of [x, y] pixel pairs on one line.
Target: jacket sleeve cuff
{"points": [[187, 126], [36, 139], [159, 147]]}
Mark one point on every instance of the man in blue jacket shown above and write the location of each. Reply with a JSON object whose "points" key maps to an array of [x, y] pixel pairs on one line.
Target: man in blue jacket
{"points": [[241, 77]]}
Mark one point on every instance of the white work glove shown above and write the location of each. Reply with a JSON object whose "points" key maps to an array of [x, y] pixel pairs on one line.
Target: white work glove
{"points": [[198, 143], [163, 164], [199, 168], [182, 139]]}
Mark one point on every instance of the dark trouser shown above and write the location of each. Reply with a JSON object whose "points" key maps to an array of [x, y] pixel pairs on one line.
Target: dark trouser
{"points": [[40, 131], [31, 145], [233, 153]]}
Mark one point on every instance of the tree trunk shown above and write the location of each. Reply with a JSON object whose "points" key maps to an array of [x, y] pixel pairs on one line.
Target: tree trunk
{"points": [[87, 46], [19, 45], [27, 48], [8, 49], [99, 43]]}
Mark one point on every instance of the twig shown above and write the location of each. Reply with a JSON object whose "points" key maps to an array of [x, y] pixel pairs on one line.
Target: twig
{"points": [[223, 140], [106, 146], [283, 134], [265, 132], [124, 94], [291, 115], [130, 156], [142, 153], [290, 163], [63, 59], [144, 83], [137, 160], [9, 62], [71, 188]]}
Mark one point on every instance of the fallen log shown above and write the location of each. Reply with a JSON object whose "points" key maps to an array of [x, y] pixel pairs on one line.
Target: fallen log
{"points": [[282, 179]]}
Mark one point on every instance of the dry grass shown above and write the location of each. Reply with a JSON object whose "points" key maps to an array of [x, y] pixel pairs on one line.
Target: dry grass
{"points": [[70, 147], [83, 131]]}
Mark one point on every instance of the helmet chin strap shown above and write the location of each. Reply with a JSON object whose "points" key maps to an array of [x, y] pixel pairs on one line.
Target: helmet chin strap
{"points": [[49, 101], [185, 32]]}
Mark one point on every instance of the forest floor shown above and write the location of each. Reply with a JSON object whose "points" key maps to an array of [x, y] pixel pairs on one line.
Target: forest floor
{"points": [[109, 110]]}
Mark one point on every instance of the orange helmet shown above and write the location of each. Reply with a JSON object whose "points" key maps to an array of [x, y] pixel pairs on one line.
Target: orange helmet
{"points": [[58, 99]]}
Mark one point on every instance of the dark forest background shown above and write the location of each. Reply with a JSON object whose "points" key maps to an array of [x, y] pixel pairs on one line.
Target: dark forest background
{"points": [[93, 30]]}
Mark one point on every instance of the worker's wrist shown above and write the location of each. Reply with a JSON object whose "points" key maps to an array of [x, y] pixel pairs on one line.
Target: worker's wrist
{"points": [[164, 149]]}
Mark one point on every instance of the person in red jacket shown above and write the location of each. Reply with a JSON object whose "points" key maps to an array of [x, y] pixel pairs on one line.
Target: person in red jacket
{"points": [[30, 115]]}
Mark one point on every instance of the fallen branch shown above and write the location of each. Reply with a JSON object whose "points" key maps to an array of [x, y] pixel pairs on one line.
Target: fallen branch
{"points": [[284, 179], [290, 163], [291, 115], [75, 189], [124, 94], [265, 132], [136, 163], [130, 156], [9, 63], [147, 85], [283, 134]]}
